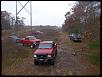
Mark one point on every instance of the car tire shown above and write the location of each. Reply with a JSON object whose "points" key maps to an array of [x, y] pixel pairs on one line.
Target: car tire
{"points": [[17, 41], [32, 46], [52, 62], [37, 45], [80, 41], [23, 44], [36, 62], [56, 53]]}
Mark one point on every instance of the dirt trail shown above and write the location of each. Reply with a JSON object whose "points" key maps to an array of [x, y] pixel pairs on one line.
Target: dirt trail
{"points": [[76, 63], [65, 64]]}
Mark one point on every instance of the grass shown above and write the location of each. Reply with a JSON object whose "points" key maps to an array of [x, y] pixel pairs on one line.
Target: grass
{"points": [[12, 52], [94, 59], [94, 52], [92, 45], [56, 39]]}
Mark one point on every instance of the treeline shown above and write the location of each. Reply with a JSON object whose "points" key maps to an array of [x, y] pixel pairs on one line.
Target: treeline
{"points": [[9, 22], [84, 19]]}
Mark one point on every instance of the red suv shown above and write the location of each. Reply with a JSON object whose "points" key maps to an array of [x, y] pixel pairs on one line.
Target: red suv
{"points": [[46, 52]]}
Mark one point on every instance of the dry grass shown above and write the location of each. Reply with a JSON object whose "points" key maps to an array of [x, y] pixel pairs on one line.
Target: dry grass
{"points": [[17, 59]]}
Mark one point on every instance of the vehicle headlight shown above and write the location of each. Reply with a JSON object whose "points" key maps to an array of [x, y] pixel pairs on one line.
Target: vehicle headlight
{"points": [[34, 56], [49, 55], [31, 46]]}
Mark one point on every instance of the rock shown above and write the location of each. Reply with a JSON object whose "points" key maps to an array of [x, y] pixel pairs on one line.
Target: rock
{"points": [[74, 53]]}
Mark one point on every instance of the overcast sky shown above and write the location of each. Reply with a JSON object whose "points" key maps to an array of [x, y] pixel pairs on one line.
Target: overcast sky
{"points": [[43, 12]]}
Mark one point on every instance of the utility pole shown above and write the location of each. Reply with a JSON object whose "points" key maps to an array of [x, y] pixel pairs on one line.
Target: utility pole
{"points": [[31, 16], [23, 7], [16, 18]]}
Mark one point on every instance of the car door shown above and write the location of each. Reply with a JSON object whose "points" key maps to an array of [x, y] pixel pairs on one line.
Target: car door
{"points": [[27, 41]]}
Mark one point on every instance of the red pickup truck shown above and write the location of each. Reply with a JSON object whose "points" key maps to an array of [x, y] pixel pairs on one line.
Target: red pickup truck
{"points": [[46, 52], [30, 40]]}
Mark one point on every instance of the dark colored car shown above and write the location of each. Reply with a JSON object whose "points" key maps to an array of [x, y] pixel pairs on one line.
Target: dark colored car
{"points": [[75, 37], [14, 38], [46, 52]]}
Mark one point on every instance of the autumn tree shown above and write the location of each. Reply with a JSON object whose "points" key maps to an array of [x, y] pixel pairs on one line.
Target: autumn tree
{"points": [[5, 20], [84, 17]]}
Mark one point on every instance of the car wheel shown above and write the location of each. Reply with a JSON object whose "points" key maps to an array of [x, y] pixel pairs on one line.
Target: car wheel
{"points": [[80, 41], [37, 45], [23, 44], [52, 62], [32, 46], [36, 62], [17, 41]]}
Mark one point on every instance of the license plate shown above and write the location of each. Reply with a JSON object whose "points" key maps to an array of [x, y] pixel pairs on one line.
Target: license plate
{"points": [[41, 59]]}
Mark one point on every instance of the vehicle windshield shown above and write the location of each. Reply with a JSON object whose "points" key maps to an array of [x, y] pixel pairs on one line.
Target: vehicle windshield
{"points": [[76, 35], [30, 38], [45, 46], [13, 36]]}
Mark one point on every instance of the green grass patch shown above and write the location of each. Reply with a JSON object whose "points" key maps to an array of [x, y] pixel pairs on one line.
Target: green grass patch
{"points": [[93, 52], [93, 45]]}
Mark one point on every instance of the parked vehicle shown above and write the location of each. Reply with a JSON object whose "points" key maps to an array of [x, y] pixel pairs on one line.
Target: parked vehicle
{"points": [[46, 52], [37, 33], [14, 38], [30, 40], [75, 37]]}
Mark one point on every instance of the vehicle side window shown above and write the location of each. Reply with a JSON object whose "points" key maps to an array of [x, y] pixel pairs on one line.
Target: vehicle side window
{"points": [[30, 38]]}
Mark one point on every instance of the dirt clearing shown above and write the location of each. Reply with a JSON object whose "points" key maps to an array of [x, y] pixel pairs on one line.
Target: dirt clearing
{"points": [[18, 60]]}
